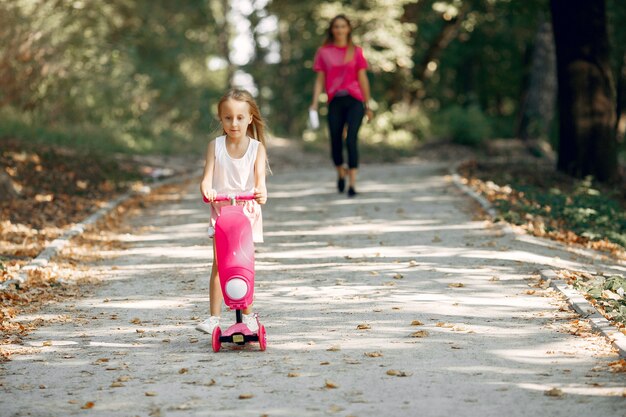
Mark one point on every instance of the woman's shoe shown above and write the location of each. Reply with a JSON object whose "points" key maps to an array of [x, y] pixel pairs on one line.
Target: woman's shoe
{"points": [[341, 184], [351, 192]]}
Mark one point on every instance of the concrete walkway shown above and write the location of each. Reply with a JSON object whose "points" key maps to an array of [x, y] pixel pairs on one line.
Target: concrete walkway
{"points": [[341, 287]]}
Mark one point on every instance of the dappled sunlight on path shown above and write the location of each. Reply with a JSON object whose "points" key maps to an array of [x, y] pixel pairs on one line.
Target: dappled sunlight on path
{"points": [[399, 298]]}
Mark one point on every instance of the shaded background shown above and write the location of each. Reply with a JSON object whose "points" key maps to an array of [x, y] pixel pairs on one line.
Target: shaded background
{"points": [[143, 76]]}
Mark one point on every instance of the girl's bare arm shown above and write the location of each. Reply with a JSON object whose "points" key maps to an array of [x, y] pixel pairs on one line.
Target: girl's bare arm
{"points": [[206, 185], [260, 190]]}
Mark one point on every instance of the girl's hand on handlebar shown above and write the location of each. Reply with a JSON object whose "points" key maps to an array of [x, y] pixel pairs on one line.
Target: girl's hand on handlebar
{"points": [[209, 193], [260, 195]]}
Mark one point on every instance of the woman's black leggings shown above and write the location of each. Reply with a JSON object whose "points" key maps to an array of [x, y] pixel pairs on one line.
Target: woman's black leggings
{"points": [[341, 111]]}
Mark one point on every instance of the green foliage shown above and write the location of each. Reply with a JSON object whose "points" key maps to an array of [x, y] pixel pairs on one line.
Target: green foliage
{"points": [[585, 211], [125, 75], [608, 294], [463, 125]]}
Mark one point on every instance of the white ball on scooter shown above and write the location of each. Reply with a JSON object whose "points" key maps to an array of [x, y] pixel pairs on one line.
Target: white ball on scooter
{"points": [[236, 288]]}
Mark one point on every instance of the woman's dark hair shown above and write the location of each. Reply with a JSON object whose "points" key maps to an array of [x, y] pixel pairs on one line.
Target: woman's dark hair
{"points": [[329, 33]]}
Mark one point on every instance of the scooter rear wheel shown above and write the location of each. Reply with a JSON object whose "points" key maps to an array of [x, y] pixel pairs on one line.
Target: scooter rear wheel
{"points": [[262, 337], [217, 344]]}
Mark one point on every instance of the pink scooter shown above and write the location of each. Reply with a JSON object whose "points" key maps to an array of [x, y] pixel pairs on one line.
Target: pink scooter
{"points": [[235, 264]]}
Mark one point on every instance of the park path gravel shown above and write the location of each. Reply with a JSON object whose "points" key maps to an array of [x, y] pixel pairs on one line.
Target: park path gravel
{"points": [[398, 302]]}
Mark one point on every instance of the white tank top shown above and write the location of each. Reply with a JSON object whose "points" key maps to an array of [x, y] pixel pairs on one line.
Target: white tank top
{"points": [[231, 175]]}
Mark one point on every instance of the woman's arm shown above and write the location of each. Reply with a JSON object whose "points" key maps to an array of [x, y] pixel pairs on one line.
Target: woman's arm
{"points": [[260, 190], [206, 185], [364, 83], [317, 89]]}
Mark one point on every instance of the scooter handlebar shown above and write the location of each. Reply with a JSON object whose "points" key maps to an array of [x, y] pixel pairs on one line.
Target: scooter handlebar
{"points": [[228, 197]]}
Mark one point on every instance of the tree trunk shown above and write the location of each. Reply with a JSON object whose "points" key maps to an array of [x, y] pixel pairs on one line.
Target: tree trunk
{"points": [[587, 144], [621, 101], [539, 103]]}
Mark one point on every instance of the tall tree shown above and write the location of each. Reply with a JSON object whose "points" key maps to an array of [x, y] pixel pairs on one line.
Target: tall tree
{"points": [[587, 110]]}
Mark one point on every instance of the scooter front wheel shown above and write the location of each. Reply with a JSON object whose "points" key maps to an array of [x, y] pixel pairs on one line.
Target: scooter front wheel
{"points": [[262, 337], [217, 344]]}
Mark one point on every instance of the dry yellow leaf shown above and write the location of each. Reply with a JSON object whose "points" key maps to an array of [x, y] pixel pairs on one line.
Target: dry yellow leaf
{"points": [[456, 285], [47, 343], [151, 394], [136, 320], [373, 354], [246, 396], [363, 326], [395, 372], [293, 375], [420, 333], [183, 371], [330, 384], [117, 384], [416, 323], [554, 392]]}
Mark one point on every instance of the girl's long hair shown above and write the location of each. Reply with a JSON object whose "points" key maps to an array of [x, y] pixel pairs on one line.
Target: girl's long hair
{"points": [[256, 129], [330, 38]]}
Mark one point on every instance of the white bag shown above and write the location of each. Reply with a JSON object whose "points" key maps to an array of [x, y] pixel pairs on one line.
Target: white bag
{"points": [[314, 119]]}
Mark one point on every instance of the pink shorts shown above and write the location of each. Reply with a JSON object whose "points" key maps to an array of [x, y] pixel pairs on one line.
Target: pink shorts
{"points": [[251, 209]]}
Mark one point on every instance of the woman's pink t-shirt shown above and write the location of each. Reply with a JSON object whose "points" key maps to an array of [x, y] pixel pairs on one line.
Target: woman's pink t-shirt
{"points": [[340, 75]]}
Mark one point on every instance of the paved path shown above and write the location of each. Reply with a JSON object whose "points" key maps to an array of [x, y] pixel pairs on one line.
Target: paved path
{"points": [[392, 256]]}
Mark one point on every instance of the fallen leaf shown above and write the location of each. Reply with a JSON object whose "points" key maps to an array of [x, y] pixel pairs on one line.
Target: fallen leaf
{"points": [[373, 354], [456, 285], [246, 396], [444, 325], [293, 375], [330, 384], [416, 323], [183, 371], [47, 343], [363, 327], [124, 378], [395, 372], [325, 363], [117, 384], [151, 394], [88, 405], [136, 320], [554, 392], [420, 333]]}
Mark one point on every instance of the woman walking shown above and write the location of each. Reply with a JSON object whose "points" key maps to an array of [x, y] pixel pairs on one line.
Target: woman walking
{"points": [[342, 70]]}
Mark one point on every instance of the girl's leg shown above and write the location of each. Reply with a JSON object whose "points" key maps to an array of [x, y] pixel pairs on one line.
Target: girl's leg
{"points": [[215, 290], [354, 120]]}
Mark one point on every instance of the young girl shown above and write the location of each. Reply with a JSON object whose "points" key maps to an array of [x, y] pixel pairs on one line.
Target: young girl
{"points": [[342, 69], [235, 164]]}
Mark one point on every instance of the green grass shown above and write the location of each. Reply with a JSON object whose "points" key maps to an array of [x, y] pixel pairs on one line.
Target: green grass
{"points": [[608, 294], [583, 209], [101, 139]]}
